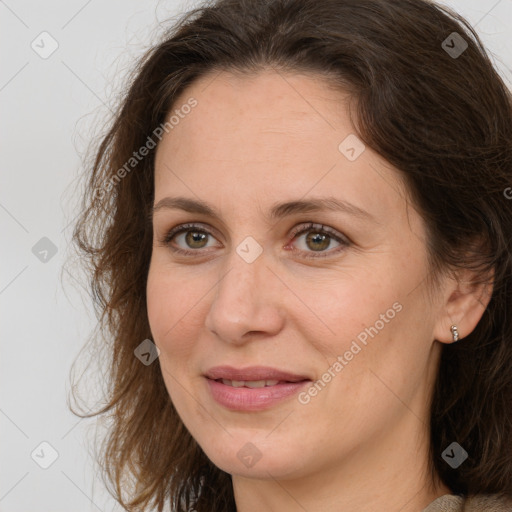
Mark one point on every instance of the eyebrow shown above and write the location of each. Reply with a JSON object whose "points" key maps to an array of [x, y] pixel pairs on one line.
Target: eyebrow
{"points": [[277, 211]]}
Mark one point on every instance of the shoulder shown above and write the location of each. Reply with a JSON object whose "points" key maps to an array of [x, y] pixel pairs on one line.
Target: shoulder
{"points": [[488, 502], [476, 503], [446, 503]]}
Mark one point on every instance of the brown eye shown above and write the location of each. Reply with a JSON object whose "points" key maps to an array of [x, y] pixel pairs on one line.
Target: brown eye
{"points": [[195, 239], [319, 238], [318, 241], [187, 239]]}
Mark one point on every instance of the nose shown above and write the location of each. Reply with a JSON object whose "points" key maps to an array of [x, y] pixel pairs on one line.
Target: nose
{"points": [[248, 302]]}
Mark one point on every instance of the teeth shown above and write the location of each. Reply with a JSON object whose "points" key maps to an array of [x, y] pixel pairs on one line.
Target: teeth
{"points": [[249, 383], [255, 383]]}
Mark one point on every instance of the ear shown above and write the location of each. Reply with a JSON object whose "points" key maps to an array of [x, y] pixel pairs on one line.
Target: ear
{"points": [[463, 304]]}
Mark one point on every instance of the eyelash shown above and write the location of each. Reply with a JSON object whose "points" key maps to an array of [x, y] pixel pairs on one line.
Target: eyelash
{"points": [[301, 229]]}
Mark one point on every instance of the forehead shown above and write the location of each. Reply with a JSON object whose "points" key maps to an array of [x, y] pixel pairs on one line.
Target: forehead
{"points": [[268, 99], [270, 134]]}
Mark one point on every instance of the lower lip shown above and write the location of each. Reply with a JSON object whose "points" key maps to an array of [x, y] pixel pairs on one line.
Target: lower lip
{"points": [[252, 399]]}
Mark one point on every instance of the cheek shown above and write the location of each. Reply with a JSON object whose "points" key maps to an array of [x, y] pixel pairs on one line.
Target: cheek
{"points": [[159, 300], [383, 344], [167, 310], [370, 319], [357, 303], [171, 333]]}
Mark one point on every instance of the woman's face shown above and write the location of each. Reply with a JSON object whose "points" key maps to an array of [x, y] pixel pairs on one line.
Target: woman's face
{"points": [[341, 303]]}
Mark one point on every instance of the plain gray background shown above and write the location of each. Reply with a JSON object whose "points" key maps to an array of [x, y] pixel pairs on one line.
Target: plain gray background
{"points": [[50, 109]]}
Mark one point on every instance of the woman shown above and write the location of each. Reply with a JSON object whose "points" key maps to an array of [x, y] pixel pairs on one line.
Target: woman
{"points": [[299, 230]]}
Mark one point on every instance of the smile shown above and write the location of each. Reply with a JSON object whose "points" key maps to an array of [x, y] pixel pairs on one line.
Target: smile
{"points": [[248, 383], [252, 396]]}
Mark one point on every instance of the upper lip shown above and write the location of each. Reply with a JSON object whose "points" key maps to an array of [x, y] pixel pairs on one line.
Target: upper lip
{"points": [[252, 373]]}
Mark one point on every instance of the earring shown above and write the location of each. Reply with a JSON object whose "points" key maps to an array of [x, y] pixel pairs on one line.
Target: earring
{"points": [[455, 333]]}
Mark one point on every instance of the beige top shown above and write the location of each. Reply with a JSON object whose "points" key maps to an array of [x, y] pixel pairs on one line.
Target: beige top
{"points": [[479, 503]]}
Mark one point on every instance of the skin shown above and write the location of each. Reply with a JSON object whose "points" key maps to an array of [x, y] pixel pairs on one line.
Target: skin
{"points": [[360, 444]]}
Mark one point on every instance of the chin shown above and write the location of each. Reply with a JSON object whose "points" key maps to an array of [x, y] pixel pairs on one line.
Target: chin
{"points": [[257, 459]]}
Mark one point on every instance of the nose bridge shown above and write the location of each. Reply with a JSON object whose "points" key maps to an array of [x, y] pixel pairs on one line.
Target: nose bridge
{"points": [[237, 289], [240, 303]]}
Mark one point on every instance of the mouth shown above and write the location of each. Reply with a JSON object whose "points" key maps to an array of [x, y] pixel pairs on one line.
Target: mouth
{"points": [[252, 389], [253, 384], [253, 374]]}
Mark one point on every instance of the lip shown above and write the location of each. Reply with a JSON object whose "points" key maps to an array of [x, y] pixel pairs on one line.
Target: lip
{"points": [[252, 399], [253, 373]]}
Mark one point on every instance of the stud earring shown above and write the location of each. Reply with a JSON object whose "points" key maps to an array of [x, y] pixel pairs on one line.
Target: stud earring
{"points": [[455, 333]]}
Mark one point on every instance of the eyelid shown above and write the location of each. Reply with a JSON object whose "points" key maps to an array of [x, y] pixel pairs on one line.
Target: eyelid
{"points": [[342, 239], [189, 226], [311, 226], [183, 228]]}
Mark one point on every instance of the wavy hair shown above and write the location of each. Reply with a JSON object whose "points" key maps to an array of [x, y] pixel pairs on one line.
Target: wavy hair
{"points": [[443, 120]]}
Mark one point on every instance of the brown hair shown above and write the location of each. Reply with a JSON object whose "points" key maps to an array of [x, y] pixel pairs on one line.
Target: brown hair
{"points": [[444, 120]]}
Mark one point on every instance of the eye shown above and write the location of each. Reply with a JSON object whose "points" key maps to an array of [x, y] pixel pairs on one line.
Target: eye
{"points": [[192, 235], [318, 240]]}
